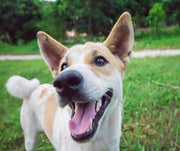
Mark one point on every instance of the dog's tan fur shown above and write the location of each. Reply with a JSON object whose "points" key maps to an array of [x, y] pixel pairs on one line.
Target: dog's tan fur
{"points": [[40, 110], [50, 109]]}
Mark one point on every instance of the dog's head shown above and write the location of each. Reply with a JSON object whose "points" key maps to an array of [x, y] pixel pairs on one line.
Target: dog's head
{"points": [[88, 77]]}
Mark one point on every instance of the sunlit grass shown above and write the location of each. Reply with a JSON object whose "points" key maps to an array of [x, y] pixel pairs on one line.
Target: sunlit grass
{"points": [[171, 42], [151, 104]]}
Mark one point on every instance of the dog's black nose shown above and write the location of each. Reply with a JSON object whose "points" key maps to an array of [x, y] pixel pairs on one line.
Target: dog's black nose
{"points": [[68, 83]]}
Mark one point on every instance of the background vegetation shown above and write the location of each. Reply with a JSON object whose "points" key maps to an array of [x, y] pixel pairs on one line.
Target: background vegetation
{"points": [[21, 19], [168, 38], [151, 117]]}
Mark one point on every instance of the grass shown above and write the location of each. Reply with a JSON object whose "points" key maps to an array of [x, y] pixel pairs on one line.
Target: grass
{"points": [[29, 48], [151, 116], [149, 43], [152, 107], [167, 38]]}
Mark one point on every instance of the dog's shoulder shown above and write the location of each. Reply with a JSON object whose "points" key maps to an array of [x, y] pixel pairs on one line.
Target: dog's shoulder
{"points": [[43, 92]]}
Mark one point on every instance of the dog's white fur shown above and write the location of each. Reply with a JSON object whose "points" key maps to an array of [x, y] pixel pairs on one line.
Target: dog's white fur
{"points": [[16, 84], [40, 110]]}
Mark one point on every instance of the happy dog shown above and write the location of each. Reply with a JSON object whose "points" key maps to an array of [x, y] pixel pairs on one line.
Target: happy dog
{"points": [[81, 111]]}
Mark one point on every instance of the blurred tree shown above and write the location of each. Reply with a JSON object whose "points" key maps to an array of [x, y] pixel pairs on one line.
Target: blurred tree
{"points": [[55, 17], [98, 16], [46, 23], [139, 10], [18, 19], [94, 17], [157, 16], [172, 8]]}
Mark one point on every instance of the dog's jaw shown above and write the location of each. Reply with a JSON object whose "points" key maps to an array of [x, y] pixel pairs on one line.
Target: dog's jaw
{"points": [[86, 117]]}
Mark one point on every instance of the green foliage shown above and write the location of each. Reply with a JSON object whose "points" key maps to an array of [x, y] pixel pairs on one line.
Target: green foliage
{"points": [[87, 16], [157, 16], [150, 115], [47, 22], [172, 8], [21, 19], [54, 15], [18, 20], [139, 10]]}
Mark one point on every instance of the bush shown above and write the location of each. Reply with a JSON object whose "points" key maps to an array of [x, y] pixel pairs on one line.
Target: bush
{"points": [[157, 17]]}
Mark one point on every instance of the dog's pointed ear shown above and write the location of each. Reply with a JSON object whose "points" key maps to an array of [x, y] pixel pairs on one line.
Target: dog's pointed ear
{"points": [[51, 50], [121, 38]]}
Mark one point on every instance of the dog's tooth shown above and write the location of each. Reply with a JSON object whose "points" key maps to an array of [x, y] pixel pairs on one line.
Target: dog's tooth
{"points": [[97, 108], [91, 124], [88, 130], [99, 104]]}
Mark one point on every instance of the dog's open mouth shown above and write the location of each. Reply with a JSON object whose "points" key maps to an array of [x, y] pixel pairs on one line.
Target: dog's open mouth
{"points": [[85, 117]]}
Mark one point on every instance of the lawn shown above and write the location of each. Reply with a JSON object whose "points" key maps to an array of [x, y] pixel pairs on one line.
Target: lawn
{"points": [[168, 38], [151, 115], [29, 48]]}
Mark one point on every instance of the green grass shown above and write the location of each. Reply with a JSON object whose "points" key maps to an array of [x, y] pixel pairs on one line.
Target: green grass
{"points": [[168, 38], [171, 42], [29, 48], [151, 116]]}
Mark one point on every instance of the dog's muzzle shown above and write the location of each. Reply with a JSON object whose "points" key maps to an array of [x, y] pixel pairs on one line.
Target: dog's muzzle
{"points": [[86, 113]]}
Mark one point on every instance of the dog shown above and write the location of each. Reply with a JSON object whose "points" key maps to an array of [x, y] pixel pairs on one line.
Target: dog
{"points": [[82, 110]]}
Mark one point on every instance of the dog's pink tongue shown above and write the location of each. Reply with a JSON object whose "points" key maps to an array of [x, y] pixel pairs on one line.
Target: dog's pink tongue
{"points": [[81, 121]]}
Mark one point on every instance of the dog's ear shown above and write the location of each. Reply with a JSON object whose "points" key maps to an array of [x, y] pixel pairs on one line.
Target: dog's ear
{"points": [[121, 38], [51, 50]]}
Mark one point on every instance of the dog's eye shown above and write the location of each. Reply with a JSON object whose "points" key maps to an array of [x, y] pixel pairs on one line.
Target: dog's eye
{"points": [[100, 61], [64, 66]]}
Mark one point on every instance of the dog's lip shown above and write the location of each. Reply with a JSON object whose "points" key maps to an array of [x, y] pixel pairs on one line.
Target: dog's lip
{"points": [[106, 98]]}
